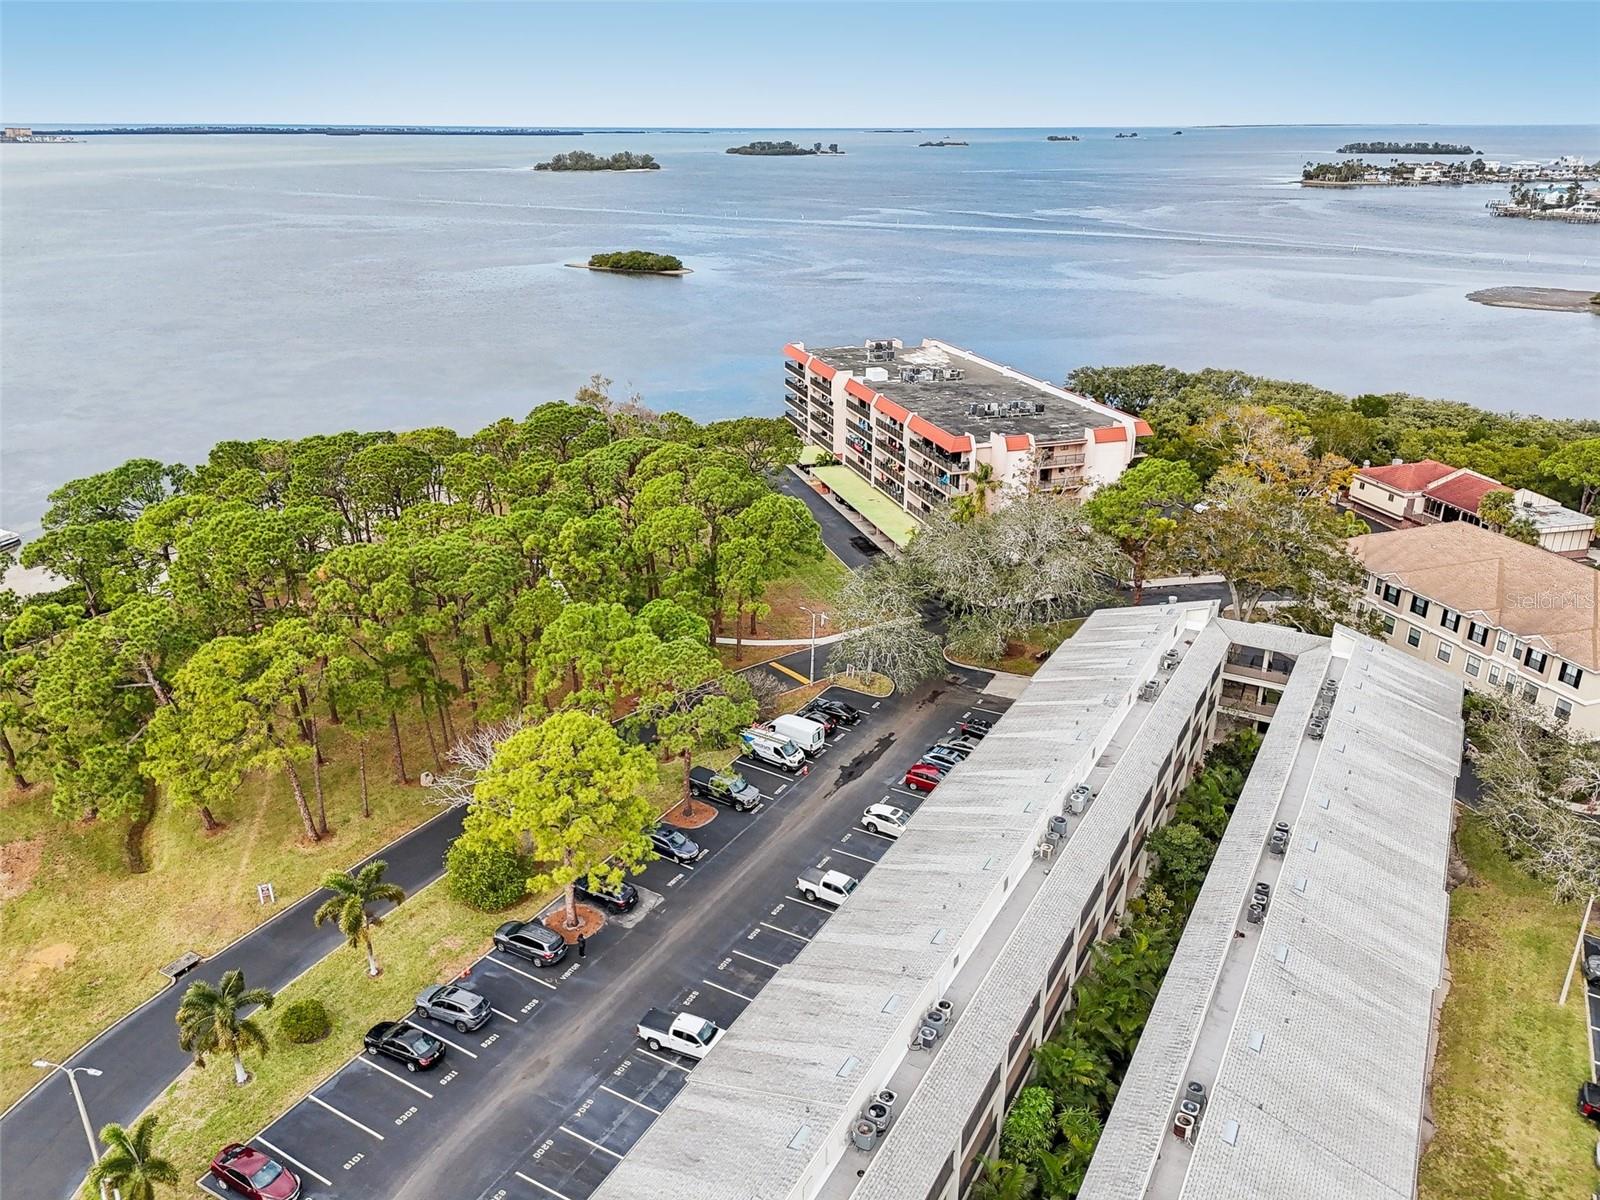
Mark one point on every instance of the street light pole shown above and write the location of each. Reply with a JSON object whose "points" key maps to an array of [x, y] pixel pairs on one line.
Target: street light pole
{"points": [[811, 672], [83, 1112]]}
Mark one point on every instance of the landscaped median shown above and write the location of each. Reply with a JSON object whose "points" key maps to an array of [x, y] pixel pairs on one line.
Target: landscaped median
{"points": [[1510, 1058]]}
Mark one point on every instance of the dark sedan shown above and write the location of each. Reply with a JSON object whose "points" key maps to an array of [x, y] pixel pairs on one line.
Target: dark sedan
{"points": [[849, 714], [541, 946], [619, 899], [404, 1043]]}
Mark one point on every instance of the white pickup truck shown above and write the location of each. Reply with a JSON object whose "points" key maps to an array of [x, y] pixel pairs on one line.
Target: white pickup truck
{"points": [[815, 883], [684, 1032]]}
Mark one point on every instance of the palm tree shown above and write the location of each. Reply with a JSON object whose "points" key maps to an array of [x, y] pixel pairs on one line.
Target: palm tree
{"points": [[984, 483], [348, 906], [209, 1021], [129, 1164]]}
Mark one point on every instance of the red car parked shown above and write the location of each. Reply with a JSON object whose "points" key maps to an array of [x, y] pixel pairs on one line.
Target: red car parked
{"points": [[924, 777], [248, 1172]]}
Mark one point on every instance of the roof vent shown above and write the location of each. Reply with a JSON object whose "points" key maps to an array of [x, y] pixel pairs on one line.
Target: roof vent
{"points": [[1301, 884], [1281, 953], [848, 1067], [1230, 1132], [1257, 1040], [801, 1138], [1313, 844], [938, 937], [891, 1004]]}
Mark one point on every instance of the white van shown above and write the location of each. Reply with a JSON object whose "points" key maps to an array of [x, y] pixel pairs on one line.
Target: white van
{"points": [[808, 735], [773, 748]]}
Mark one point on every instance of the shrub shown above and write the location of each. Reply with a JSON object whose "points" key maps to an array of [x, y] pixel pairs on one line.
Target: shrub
{"points": [[304, 1020], [487, 878], [1029, 1127]]}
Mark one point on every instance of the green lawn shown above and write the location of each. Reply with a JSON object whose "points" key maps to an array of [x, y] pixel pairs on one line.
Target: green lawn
{"points": [[813, 586], [1510, 1059], [84, 938]]}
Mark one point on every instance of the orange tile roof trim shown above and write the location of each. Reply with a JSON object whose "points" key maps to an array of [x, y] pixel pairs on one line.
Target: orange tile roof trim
{"points": [[821, 368], [956, 444], [794, 352], [1111, 433], [1538, 596], [1408, 477]]}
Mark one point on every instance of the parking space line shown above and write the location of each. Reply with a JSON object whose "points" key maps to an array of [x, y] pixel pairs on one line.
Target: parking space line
{"points": [[630, 1100], [663, 1061], [524, 974], [506, 1015], [988, 712], [895, 787], [366, 1058], [750, 766], [779, 929], [587, 1142], [316, 1099], [729, 990], [537, 1184], [445, 1040], [284, 1154], [762, 961], [879, 836], [857, 857], [808, 904]]}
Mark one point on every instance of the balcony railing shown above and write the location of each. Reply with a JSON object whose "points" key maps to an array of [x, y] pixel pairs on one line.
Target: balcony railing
{"points": [[798, 370], [855, 465], [795, 383], [857, 409], [798, 421], [889, 428]]}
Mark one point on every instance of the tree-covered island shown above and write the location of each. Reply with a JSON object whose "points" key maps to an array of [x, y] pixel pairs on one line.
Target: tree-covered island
{"points": [[582, 160], [784, 149], [1405, 148], [637, 262]]}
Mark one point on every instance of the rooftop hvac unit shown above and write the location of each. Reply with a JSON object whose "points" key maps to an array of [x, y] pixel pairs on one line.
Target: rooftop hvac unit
{"points": [[955, 373], [937, 1017], [1038, 406], [864, 1134], [878, 1115], [877, 375], [926, 1037], [887, 1098], [1058, 827], [1183, 1126]]}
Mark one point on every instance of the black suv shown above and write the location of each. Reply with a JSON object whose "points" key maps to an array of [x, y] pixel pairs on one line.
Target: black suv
{"points": [[541, 946], [670, 842], [618, 900], [845, 714], [725, 787]]}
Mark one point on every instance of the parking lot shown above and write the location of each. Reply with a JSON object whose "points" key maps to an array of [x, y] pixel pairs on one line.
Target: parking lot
{"points": [[546, 1098]]}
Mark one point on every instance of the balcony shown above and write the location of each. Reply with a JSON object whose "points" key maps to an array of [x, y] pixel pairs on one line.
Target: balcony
{"points": [[943, 460], [795, 384], [890, 429], [888, 465], [853, 442], [798, 422], [1254, 664], [889, 487], [796, 369], [855, 465]]}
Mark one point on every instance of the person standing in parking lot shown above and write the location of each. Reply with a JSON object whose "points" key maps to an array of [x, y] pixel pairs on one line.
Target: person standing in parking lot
{"points": [[583, 944]]}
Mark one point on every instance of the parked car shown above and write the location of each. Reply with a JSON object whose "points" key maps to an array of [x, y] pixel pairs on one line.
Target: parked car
{"points": [[848, 713], [819, 716], [1591, 968], [865, 544], [923, 777], [671, 842], [972, 727], [454, 1006], [682, 1032], [540, 945], [407, 1044], [1589, 1101], [248, 1172], [621, 899], [819, 883], [725, 787], [885, 819], [962, 743], [810, 736], [944, 756], [774, 749]]}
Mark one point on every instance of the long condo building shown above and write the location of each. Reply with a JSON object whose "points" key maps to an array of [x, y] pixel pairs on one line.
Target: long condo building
{"points": [[914, 422]]}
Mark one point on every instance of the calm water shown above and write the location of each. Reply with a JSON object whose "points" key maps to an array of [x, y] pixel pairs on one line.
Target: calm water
{"points": [[160, 294]]}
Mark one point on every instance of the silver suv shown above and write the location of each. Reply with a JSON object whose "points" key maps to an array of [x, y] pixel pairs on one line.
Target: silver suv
{"points": [[454, 1006]]}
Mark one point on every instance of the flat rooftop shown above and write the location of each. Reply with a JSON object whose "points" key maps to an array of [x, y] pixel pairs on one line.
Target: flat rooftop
{"points": [[1310, 1031], [949, 403]]}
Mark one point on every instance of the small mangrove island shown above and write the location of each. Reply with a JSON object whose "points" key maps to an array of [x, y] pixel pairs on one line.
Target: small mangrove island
{"points": [[1127, 135], [1405, 148], [1062, 137], [635, 262], [582, 160], [942, 142], [784, 149]]}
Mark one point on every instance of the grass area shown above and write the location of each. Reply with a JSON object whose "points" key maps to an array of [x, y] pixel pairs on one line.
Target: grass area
{"points": [[428, 939], [1510, 1059], [813, 586], [70, 965], [887, 516], [1025, 656]]}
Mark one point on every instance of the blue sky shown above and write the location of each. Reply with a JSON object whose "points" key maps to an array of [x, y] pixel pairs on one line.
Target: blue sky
{"points": [[790, 64]]}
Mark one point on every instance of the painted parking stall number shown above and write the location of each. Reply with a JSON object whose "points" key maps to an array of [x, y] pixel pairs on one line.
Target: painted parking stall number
{"points": [[583, 1108], [530, 1006], [723, 965], [353, 1160], [489, 1041], [544, 1148], [406, 1116], [447, 1077]]}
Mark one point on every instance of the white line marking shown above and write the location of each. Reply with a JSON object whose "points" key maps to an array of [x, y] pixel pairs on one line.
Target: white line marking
{"points": [[746, 764], [520, 971], [315, 1099], [762, 961], [788, 932], [445, 1040], [879, 836], [284, 1154], [824, 861], [988, 712], [367, 1058], [537, 1184], [729, 990], [630, 1100], [808, 904], [587, 1142], [664, 1062], [506, 1015], [857, 857]]}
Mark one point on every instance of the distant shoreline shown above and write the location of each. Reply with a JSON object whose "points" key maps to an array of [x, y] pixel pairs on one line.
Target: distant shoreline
{"points": [[315, 130], [1537, 298]]}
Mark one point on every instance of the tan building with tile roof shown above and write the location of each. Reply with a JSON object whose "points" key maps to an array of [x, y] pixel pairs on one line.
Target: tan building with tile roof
{"points": [[1493, 610]]}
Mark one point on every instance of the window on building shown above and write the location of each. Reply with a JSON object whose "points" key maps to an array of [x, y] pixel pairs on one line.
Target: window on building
{"points": [[1494, 672], [1500, 641], [1391, 594], [1388, 625], [1478, 634], [1413, 636], [1570, 675], [1377, 586], [1535, 660], [1450, 620], [1419, 606], [1518, 648], [1530, 693], [1444, 652], [1474, 665], [1563, 709]]}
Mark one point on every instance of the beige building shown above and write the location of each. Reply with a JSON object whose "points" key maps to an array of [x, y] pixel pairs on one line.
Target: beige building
{"points": [[1499, 613]]}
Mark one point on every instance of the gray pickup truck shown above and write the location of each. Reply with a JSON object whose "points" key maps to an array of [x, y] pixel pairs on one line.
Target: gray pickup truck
{"points": [[725, 787]]}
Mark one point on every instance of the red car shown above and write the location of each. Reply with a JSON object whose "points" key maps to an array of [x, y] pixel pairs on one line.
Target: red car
{"points": [[250, 1173], [924, 777]]}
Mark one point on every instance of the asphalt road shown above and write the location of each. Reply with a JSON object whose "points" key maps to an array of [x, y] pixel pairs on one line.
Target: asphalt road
{"points": [[43, 1154], [836, 527], [545, 1099]]}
